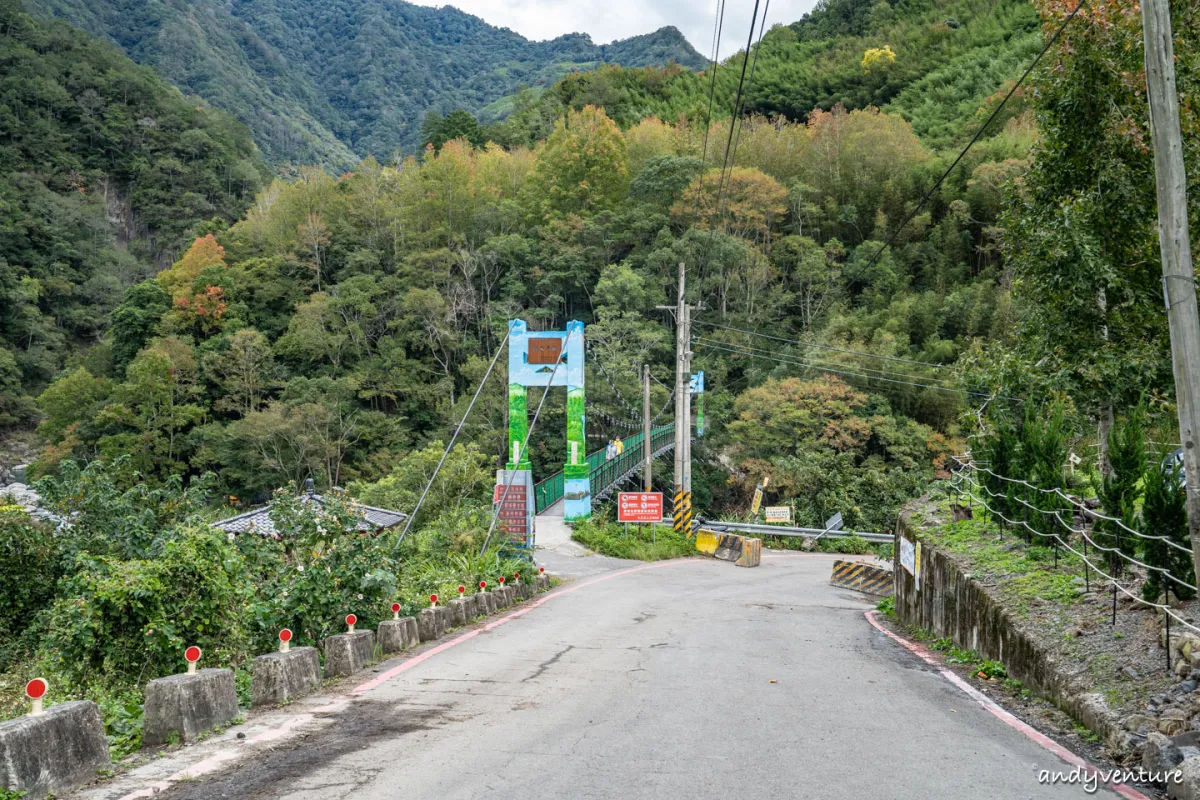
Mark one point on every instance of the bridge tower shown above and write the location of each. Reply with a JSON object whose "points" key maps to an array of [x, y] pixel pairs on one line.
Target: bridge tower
{"points": [[550, 358]]}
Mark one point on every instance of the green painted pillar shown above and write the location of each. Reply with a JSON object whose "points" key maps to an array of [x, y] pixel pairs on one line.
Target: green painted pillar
{"points": [[518, 426]]}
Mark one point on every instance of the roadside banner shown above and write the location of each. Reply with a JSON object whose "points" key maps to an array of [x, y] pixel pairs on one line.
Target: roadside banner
{"points": [[639, 507]]}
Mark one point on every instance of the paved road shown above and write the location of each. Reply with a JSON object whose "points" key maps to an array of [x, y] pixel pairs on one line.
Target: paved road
{"points": [[690, 679], [560, 556]]}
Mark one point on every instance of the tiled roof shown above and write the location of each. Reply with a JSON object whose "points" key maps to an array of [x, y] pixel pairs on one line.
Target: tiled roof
{"points": [[259, 520]]}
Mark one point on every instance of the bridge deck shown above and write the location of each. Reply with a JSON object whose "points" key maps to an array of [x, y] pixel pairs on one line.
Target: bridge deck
{"points": [[607, 474]]}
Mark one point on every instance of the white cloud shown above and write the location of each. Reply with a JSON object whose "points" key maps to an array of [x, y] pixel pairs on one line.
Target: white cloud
{"points": [[606, 20]]}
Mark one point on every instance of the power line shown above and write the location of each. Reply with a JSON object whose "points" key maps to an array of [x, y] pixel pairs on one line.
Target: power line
{"points": [[876, 370], [718, 27], [847, 372], [733, 122], [408, 523], [974, 139], [799, 343]]}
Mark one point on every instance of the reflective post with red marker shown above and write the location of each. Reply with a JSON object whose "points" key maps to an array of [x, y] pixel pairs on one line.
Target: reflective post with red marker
{"points": [[35, 690], [285, 639], [192, 655], [351, 620]]}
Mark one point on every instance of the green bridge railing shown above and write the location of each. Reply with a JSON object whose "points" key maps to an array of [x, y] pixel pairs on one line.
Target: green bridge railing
{"points": [[604, 473]]}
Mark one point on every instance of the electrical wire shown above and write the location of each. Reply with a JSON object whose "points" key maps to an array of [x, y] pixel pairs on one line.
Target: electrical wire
{"points": [[970, 144], [876, 370], [844, 372], [800, 343]]}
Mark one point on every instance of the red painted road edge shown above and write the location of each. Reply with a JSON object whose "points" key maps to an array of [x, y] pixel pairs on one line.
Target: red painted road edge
{"points": [[989, 705]]}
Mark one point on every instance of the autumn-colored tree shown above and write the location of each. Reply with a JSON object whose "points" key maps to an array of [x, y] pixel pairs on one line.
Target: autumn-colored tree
{"points": [[179, 277], [649, 138], [877, 58], [748, 205], [581, 168]]}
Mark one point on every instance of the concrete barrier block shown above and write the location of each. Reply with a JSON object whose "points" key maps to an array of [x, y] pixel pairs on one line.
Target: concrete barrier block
{"points": [[53, 752], [485, 604], [443, 615], [543, 582], [282, 677], [188, 705], [397, 634], [429, 626], [863, 577], [347, 653], [461, 611], [500, 595]]}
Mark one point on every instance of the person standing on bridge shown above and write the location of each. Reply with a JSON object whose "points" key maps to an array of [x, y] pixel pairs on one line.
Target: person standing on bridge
{"points": [[620, 446], [610, 450]]}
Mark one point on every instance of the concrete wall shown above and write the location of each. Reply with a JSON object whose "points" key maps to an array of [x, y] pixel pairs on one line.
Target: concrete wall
{"points": [[949, 604]]}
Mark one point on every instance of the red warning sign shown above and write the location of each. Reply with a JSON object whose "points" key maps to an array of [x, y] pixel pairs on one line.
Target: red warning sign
{"points": [[639, 507]]}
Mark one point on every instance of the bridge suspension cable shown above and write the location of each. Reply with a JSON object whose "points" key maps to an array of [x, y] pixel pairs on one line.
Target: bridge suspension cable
{"points": [[424, 493]]}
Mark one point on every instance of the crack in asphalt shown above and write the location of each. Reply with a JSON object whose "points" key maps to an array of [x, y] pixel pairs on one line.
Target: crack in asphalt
{"points": [[545, 665]]}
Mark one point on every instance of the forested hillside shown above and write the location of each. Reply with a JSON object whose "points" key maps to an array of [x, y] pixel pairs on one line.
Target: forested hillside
{"points": [[106, 174], [936, 63], [329, 81]]}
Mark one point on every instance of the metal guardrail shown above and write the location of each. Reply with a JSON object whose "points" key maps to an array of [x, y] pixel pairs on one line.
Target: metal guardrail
{"points": [[604, 473], [781, 530]]}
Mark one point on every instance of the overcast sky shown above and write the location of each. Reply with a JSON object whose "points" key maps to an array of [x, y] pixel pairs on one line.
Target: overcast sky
{"points": [[606, 20]]}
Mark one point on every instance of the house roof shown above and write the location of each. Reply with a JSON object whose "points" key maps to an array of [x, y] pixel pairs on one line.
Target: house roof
{"points": [[259, 520]]}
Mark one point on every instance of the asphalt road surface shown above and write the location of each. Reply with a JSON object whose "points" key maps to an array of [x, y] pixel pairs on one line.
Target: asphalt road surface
{"points": [[682, 680]]}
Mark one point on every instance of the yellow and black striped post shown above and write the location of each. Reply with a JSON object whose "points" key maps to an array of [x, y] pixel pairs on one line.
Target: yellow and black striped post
{"points": [[682, 513], [862, 577]]}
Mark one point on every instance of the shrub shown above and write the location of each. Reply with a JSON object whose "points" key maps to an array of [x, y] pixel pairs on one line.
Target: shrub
{"points": [[29, 553], [121, 623], [1164, 513]]}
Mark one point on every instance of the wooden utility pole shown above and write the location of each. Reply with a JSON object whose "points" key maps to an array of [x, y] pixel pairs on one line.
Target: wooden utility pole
{"points": [[647, 452], [1179, 280]]}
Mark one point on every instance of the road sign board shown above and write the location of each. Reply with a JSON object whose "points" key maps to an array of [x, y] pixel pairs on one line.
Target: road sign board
{"points": [[778, 513], [757, 502], [834, 523], [639, 507]]}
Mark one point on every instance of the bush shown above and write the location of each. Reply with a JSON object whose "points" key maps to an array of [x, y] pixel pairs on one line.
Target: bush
{"points": [[848, 545], [29, 553], [121, 623], [1164, 513], [639, 542]]}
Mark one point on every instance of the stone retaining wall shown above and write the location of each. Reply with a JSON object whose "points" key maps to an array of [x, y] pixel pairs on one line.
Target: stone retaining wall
{"points": [[950, 604]]}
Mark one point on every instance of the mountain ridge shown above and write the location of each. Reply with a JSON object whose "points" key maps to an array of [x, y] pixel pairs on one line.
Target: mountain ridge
{"points": [[330, 82]]}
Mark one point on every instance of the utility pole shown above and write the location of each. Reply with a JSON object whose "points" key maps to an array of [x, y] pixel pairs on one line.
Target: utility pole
{"points": [[1179, 280], [681, 379], [646, 450], [682, 498], [687, 405]]}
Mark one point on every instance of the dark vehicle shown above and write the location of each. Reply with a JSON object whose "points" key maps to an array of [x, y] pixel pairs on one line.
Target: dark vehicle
{"points": [[1174, 460]]}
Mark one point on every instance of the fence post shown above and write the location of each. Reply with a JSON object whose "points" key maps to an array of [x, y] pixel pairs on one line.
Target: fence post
{"points": [[1114, 611], [1167, 613]]}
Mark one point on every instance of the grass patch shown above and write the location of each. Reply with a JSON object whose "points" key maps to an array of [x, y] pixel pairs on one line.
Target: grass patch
{"points": [[638, 542], [1022, 574]]}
